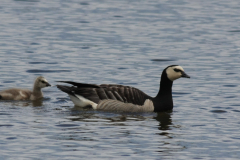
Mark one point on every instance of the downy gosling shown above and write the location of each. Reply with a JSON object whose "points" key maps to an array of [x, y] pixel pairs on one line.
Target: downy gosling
{"points": [[25, 94]]}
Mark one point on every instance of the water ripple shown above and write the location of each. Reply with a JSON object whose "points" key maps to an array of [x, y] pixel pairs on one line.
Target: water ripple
{"points": [[46, 71], [218, 111]]}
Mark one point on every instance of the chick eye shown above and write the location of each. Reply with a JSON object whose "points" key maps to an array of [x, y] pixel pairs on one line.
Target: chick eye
{"points": [[43, 81], [177, 70]]}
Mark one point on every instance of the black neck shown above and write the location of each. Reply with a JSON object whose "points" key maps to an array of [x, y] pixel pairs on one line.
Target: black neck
{"points": [[163, 101]]}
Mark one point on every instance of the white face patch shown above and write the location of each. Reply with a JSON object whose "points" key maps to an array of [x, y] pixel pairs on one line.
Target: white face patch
{"points": [[173, 75]]}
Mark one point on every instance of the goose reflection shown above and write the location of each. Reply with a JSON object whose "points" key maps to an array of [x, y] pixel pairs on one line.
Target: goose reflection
{"points": [[83, 114], [165, 120], [167, 146], [86, 114]]}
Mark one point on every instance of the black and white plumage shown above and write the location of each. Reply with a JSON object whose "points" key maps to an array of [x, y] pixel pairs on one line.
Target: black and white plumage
{"points": [[125, 98]]}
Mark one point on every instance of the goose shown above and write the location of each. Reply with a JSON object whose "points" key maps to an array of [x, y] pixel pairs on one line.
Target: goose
{"points": [[115, 97], [25, 94]]}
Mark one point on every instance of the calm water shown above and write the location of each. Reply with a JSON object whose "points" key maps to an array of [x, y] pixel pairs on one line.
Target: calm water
{"points": [[123, 42]]}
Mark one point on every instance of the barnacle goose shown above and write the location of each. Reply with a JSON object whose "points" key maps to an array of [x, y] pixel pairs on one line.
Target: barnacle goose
{"points": [[115, 97]]}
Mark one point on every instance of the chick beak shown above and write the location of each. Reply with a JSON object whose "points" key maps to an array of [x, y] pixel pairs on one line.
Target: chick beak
{"points": [[48, 85]]}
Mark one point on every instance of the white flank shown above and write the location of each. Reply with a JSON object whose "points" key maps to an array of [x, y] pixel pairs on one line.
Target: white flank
{"points": [[82, 102]]}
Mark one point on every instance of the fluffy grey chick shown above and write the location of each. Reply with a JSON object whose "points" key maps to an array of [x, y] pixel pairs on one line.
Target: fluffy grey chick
{"points": [[25, 94]]}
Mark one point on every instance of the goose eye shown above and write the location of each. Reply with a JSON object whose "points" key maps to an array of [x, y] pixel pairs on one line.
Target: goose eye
{"points": [[177, 70], [43, 81]]}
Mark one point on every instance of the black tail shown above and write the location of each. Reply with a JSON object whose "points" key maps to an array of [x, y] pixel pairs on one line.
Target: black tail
{"points": [[66, 89]]}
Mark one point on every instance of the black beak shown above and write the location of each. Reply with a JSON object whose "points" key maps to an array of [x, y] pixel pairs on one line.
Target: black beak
{"points": [[48, 85], [185, 75]]}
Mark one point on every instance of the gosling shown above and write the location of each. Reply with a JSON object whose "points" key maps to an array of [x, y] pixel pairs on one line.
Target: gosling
{"points": [[25, 94]]}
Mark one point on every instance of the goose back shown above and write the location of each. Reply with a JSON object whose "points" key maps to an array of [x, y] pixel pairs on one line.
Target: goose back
{"points": [[96, 93]]}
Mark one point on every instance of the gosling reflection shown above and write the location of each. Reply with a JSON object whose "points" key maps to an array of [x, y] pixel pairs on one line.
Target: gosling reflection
{"points": [[35, 103], [164, 119]]}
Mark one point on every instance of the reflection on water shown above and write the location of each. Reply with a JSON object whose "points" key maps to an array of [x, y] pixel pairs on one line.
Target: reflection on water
{"points": [[164, 119], [81, 114], [36, 103]]}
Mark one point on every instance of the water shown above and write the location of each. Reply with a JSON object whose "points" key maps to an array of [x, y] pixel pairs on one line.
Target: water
{"points": [[121, 42]]}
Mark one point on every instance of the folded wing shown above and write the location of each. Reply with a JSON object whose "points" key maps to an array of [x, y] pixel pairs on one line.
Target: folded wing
{"points": [[96, 93]]}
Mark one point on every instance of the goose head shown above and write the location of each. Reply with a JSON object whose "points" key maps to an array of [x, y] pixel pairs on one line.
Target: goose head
{"points": [[41, 82], [174, 72]]}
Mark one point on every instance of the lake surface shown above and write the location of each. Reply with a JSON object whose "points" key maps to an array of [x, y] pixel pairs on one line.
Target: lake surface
{"points": [[129, 43]]}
